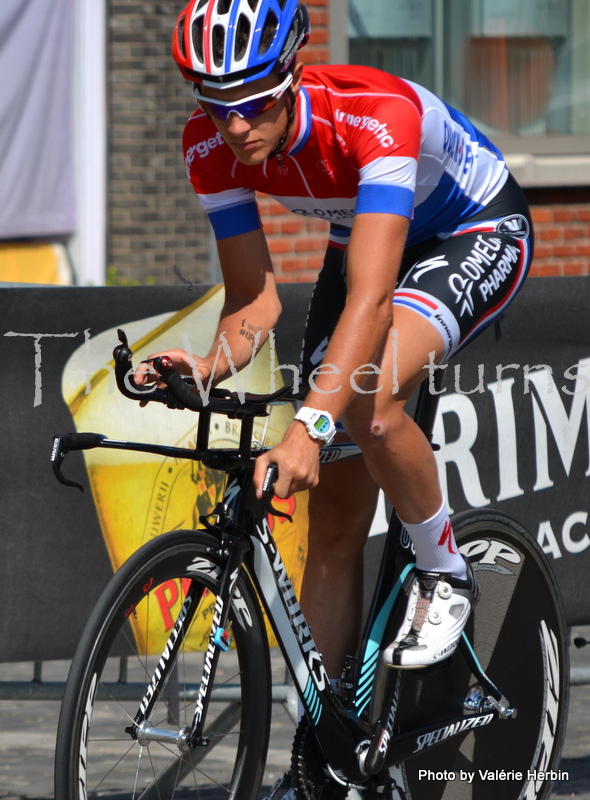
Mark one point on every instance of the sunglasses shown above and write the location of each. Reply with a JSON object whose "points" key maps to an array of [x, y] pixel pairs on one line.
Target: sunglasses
{"points": [[247, 108]]}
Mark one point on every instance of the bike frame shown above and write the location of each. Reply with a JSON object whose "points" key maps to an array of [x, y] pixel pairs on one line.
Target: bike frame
{"points": [[352, 749]]}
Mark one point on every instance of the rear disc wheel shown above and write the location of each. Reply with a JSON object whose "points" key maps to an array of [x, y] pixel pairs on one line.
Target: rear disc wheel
{"points": [[519, 634]]}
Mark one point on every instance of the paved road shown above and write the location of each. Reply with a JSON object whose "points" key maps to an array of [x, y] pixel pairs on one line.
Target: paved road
{"points": [[27, 734]]}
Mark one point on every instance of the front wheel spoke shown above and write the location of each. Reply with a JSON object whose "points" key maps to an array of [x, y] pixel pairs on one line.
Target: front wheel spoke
{"points": [[218, 730], [117, 763], [137, 772], [164, 718], [211, 779], [155, 772], [114, 700], [231, 678], [164, 780], [154, 781]]}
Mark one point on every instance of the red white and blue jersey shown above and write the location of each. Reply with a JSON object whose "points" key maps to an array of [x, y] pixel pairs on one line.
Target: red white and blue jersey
{"points": [[365, 141]]}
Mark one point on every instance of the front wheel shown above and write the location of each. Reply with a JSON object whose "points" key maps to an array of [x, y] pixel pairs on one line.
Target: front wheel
{"points": [[127, 640], [519, 635]]}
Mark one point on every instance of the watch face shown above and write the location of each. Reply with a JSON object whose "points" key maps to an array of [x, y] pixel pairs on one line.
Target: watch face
{"points": [[322, 424]]}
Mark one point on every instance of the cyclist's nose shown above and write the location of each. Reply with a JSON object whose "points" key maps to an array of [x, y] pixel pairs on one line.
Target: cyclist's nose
{"points": [[237, 126]]}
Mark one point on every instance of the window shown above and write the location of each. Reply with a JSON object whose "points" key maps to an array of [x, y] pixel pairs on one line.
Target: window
{"points": [[520, 69]]}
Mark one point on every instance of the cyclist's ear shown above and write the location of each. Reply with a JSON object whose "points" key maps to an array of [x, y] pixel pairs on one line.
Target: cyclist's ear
{"points": [[297, 77]]}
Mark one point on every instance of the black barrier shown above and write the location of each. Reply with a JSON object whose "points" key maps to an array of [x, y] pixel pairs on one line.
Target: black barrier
{"points": [[514, 430], [520, 440]]}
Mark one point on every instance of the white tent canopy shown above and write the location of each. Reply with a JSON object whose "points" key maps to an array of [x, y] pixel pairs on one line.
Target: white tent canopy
{"points": [[53, 127], [37, 197]]}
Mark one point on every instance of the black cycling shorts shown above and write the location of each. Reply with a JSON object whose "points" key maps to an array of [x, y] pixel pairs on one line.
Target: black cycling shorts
{"points": [[460, 281]]}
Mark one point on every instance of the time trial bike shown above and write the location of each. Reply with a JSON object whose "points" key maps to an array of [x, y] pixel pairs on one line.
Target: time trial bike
{"points": [[140, 720]]}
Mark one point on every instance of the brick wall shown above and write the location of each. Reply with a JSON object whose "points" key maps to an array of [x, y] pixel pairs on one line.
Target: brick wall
{"points": [[154, 217], [561, 218], [155, 220]]}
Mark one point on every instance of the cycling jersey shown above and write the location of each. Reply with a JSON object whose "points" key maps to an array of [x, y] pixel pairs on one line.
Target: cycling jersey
{"points": [[365, 141]]}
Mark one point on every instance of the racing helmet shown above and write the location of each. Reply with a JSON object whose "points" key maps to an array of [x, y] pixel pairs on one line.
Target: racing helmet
{"points": [[225, 43]]}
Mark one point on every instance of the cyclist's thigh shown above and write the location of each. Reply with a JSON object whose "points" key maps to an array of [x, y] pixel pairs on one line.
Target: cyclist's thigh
{"points": [[405, 348], [466, 281]]}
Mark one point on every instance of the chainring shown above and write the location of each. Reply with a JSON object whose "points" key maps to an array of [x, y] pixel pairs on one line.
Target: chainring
{"points": [[312, 780]]}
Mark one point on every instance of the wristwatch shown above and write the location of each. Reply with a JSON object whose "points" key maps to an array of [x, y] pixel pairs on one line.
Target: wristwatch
{"points": [[319, 424]]}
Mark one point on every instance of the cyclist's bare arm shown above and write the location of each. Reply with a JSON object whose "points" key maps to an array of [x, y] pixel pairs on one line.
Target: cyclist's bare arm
{"points": [[251, 305], [373, 261]]}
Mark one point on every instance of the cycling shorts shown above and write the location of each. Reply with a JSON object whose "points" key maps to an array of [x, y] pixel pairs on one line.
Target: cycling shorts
{"points": [[460, 281]]}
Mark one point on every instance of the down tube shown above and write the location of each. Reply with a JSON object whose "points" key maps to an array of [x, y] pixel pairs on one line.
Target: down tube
{"points": [[336, 729]]}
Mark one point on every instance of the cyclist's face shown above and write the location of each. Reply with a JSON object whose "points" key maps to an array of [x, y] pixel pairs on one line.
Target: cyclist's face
{"points": [[252, 140]]}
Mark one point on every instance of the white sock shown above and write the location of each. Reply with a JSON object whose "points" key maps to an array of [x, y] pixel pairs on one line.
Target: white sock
{"points": [[435, 545]]}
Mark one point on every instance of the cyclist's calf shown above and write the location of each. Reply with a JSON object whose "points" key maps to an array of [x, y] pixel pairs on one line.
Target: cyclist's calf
{"points": [[341, 508]]}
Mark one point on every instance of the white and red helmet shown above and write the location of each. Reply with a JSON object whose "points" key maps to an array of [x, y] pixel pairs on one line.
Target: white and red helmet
{"points": [[223, 43]]}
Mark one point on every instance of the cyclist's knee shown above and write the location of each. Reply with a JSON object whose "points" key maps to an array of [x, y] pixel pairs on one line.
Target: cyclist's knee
{"points": [[378, 429]]}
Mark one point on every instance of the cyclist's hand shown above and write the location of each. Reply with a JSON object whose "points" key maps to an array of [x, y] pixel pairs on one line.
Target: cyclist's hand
{"points": [[297, 458], [196, 367]]}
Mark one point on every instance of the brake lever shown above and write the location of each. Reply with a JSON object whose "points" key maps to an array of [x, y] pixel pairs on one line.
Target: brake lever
{"points": [[63, 443], [122, 352], [272, 473], [122, 355]]}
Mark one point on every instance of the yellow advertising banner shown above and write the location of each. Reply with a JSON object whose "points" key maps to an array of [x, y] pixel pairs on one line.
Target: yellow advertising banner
{"points": [[139, 496]]}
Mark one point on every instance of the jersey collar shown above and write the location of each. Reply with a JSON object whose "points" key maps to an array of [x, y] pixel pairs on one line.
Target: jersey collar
{"points": [[303, 123]]}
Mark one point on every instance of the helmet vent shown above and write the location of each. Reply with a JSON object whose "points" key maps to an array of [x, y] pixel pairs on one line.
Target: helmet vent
{"points": [[242, 37], [268, 33], [223, 6], [253, 4], [282, 4], [197, 37], [218, 45], [201, 4], [181, 22]]}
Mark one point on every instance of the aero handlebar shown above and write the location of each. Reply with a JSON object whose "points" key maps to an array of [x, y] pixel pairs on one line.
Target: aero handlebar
{"points": [[179, 392]]}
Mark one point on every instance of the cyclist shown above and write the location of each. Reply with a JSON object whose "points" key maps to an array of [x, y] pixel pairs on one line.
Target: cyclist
{"points": [[430, 240]]}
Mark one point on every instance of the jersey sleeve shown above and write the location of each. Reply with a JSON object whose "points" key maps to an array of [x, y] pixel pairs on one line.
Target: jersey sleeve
{"points": [[232, 209], [384, 145]]}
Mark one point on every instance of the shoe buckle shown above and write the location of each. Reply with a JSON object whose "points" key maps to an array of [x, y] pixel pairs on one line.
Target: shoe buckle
{"points": [[444, 590]]}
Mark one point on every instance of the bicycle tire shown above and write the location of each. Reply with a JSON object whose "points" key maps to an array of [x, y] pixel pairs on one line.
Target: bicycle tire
{"points": [[519, 634], [95, 757]]}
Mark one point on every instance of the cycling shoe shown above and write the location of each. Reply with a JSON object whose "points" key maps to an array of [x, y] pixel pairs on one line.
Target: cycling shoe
{"points": [[438, 609]]}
